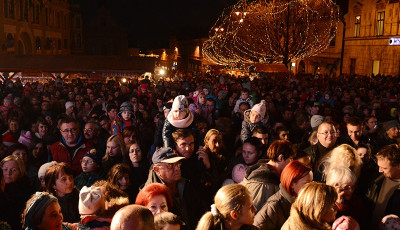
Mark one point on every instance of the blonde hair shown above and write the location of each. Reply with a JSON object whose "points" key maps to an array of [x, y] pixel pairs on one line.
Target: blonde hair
{"points": [[209, 134], [313, 202], [340, 175], [343, 155], [21, 165], [120, 142], [229, 198]]}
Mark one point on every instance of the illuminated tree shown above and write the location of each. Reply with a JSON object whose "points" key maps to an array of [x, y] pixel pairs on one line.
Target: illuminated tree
{"points": [[271, 31]]}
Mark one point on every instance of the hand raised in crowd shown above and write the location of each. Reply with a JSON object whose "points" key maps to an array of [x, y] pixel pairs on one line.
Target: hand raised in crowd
{"points": [[201, 154]]}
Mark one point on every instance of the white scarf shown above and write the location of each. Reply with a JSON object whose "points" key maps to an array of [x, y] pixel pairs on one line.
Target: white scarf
{"points": [[181, 124]]}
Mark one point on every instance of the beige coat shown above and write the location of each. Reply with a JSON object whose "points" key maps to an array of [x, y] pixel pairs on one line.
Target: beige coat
{"points": [[295, 222]]}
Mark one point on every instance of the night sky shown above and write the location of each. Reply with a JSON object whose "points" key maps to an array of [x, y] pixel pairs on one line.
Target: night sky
{"points": [[151, 23]]}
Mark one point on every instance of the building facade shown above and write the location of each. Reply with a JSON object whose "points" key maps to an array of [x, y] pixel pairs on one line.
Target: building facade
{"points": [[372, 32], [35, 27], [328, 62]]}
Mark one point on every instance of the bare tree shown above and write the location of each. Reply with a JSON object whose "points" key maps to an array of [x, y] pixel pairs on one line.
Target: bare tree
{"points": [[271, 31]]}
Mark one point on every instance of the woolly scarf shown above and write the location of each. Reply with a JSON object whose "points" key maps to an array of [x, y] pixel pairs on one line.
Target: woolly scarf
{"points": [[181, 124]]}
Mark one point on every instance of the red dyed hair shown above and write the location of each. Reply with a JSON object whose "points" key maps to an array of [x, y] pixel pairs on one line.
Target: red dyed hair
{"points": [[152, 190], [293, 172], [280, 147]]}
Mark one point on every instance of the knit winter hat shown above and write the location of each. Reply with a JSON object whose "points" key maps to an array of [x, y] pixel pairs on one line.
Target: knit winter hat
{"points": [[44, 167], [25, 139], [168, 105], [196, 94], [390, 222], [315, 121], [391, 124], [68, 104], [260, 108], [93, 155], [180, 103], [345, 223], [126, 106], [91, 200], [238, 172], [207, 87], [8, 139]]}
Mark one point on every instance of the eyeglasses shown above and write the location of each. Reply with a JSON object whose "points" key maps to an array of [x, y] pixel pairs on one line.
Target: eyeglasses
{"points": [[89, 162], [345, 189], [172, 165], [66, 131], [88, 130], [327, 133]]}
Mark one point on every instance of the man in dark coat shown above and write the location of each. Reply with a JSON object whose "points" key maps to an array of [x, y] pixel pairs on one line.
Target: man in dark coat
{"points": [[384, 193], [392, 132], [186, 202], [327, 137]]}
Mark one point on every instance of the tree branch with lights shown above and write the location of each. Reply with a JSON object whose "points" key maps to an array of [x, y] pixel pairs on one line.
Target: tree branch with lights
{"points": [[262, 31]]}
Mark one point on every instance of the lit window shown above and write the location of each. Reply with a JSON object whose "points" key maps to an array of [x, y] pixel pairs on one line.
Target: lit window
{"points": [[380, 23], [357, 26]]}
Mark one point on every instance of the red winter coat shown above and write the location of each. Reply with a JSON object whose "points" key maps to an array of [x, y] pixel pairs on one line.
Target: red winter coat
{"points": [[60, 153]]}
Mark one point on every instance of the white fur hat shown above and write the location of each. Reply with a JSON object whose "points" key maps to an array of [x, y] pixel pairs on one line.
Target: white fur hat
{"points": [[44, 167], [180, 103], [68, 104], [315, 121], [260, 108], [90, 200]]}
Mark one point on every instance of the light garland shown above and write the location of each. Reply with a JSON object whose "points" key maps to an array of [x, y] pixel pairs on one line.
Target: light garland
{"points": [[271, 31]]}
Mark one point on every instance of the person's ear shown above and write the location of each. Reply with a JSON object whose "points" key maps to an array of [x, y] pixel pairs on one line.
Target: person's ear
{"points": [[156, 169], [234, 215], [280, 158]]}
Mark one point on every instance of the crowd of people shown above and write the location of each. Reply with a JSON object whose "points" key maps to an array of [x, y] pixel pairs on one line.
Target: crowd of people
{"points": [[201, 152]]}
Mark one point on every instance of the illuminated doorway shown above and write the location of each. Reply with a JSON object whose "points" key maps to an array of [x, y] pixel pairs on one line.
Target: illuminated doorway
{"points": [[375, 67]]}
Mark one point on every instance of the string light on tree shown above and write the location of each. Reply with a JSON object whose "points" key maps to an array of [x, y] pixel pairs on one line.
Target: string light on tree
{"points": [[271, 31]]}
